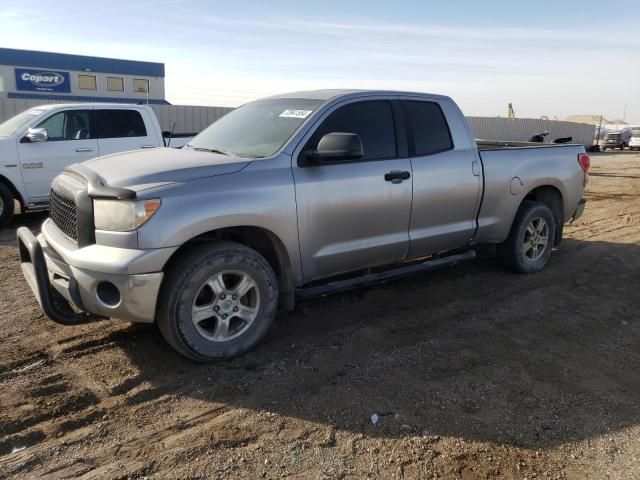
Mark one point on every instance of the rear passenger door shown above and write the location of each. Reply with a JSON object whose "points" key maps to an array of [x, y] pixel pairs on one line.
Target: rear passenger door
{"points": [[446, 177], [349, 216], [120, 130]]}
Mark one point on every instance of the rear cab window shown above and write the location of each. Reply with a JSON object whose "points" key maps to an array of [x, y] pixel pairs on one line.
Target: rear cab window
{"points": [[428, 130], [114, 123], [372, 121]]}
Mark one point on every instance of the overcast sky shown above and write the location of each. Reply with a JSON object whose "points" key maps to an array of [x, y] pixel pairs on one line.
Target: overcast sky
{"points": [[554, 58]]}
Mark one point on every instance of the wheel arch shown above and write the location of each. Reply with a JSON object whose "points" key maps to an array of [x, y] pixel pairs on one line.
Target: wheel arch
{"points": [[552, 197], [265, 242], [12, 188]]}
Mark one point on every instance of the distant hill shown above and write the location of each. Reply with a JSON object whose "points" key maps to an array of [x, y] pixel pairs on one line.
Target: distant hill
{"points": [[593, 120]]}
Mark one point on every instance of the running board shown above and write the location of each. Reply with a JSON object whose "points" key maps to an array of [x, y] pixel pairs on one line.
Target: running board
{"points": [[306, 293]]}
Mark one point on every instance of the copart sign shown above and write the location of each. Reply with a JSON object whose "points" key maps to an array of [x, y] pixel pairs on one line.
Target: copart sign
{"points": [[42, 80]]}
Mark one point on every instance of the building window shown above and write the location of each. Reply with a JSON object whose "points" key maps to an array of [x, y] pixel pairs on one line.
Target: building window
{"points": [[140, 85], [115, 84], [87, 82]]}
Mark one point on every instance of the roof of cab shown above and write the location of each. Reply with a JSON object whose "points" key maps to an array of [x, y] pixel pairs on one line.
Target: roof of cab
{"points": [[50, 106], [330, 94]]}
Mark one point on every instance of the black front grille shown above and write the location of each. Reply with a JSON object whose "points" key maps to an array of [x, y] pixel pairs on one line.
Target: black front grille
{"points": [[63, 212]]}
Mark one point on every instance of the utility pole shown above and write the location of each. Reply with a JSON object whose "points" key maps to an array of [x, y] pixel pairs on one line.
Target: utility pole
{"points": [[599, 131], [624, 115]]}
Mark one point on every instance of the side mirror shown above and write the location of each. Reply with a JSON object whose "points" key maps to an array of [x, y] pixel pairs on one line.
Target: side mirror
{"points": [[337, 146], [36, 135]]}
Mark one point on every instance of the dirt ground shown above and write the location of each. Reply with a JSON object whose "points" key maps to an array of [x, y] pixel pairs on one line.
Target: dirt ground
{"points": [[473, 372]]}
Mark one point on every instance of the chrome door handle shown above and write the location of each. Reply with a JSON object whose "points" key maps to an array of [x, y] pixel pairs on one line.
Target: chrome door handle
{"points": [[79, 150], [147, 146]]}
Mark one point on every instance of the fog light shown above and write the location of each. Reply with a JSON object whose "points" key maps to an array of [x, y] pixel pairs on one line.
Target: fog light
{"points": [[108, 294]]}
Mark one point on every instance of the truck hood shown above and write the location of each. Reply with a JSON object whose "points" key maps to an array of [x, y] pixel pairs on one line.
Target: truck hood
{"points": [[142, 169]]}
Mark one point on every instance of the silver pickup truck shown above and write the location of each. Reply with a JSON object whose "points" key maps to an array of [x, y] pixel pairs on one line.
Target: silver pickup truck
{"points": [[293, 196]]}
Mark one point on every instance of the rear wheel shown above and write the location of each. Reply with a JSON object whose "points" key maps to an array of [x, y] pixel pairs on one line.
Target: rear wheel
{"points": [[217, 301], [528, 247], [7, 205]]}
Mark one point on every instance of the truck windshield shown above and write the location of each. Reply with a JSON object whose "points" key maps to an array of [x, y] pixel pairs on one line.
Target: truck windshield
{"points": [[257, 129], [14, 124]]}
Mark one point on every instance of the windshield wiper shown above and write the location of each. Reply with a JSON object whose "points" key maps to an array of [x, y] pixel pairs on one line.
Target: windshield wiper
{"points": [[211, 150], [222, 152]]}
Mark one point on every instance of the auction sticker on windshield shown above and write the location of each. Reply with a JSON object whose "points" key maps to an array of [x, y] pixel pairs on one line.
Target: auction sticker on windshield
{"points": [[290, 113]]}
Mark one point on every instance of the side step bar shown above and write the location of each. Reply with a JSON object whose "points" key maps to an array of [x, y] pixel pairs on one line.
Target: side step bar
{"points": [[306, 293]]}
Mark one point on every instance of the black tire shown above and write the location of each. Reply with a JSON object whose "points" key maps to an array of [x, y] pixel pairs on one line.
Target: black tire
{"points": [[7, 205], [185, 278], [511, 253]]}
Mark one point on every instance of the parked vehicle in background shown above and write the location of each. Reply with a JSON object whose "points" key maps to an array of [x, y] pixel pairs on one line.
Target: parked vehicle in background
{"points": [[616, 140], [634, 141], [298, 195], [36, 145]]}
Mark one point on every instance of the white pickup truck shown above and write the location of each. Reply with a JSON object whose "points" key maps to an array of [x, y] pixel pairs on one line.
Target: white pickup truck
{"points": [[37, 144]]}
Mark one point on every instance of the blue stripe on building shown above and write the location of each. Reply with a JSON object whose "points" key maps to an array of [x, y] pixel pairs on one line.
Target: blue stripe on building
{"points": [[63, 61], [78, 98]]}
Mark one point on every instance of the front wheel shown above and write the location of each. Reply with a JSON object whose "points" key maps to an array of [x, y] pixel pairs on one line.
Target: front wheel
{"points": [[7, 205], [217, 301], [528, 247]]}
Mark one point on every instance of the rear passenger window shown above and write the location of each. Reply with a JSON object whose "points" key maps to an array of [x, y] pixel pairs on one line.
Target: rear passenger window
{"points": [[372, 121], [428, 127], [119, 123]]}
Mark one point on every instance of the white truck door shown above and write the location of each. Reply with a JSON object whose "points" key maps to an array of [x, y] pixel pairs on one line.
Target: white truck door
{"points": [[71, 140], [120, 130]]}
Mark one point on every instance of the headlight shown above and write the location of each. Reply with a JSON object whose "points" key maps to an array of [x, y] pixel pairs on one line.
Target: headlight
{"points": [[123, 215]]}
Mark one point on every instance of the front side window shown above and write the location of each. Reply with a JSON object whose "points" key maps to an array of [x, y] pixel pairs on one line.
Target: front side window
{"points": [[68, 125], [428, 127], [371, 120], [119, 123], [140, 85], [87, 82], [257, 129], [115, 84]]}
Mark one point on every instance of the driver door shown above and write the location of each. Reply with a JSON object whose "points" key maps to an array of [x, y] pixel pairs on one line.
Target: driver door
{"points": [[349, 215], [70, 140]]}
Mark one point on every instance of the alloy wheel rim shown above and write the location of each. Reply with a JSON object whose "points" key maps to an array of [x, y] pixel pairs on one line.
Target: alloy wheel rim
{"points": [[225, 305], [536, 239]]}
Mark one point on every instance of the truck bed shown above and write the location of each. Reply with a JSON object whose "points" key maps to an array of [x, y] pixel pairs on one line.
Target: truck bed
{"points": [[510, 170]]}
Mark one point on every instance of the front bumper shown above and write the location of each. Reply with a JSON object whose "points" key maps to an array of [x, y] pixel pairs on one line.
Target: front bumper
{"points": [[59, 285]]}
